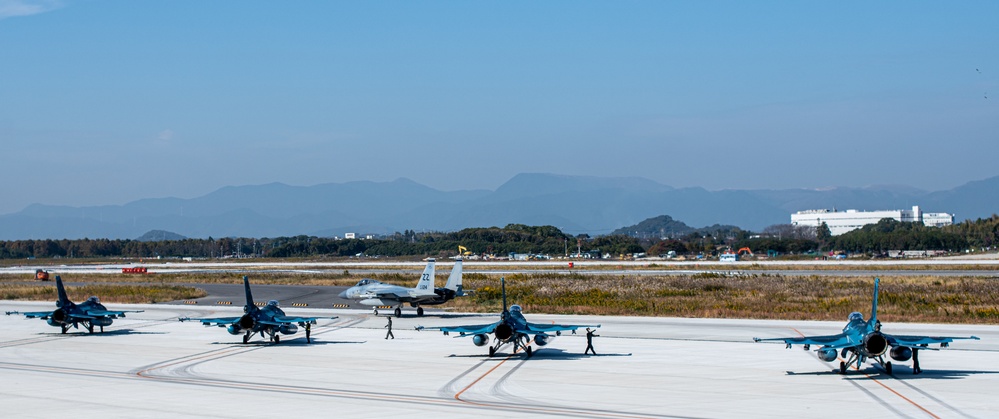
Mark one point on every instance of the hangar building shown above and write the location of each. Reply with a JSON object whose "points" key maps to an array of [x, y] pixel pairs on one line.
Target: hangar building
{"points": [[840, 222]]}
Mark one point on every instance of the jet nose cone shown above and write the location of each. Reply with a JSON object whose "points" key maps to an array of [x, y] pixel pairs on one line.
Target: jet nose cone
{"points": [[343, 294]]}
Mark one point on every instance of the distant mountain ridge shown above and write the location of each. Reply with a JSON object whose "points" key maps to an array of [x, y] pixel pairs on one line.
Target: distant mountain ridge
{"points": [[575, 204]]}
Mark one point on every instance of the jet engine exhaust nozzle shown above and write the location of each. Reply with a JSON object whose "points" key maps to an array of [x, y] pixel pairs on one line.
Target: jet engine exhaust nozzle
{"points": [[503, 331], [247, 322], [875, 344]]}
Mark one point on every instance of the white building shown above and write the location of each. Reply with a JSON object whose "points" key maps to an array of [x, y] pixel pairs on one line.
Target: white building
{"points": [[840, 222]]}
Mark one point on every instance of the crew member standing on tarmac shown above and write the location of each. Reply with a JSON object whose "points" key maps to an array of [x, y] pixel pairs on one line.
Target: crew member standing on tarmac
{"points": [[389, 326], [589, 341]]}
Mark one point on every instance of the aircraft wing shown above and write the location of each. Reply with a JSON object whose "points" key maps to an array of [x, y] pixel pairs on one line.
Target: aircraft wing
{"points": [[215, 321], [279, 320], [919, 341], [841, 340], [469, 330], [546, 328], [36, 314], [104, 313]]}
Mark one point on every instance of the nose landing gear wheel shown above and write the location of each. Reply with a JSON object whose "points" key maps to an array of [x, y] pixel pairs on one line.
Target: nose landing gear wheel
{"points": [[246, 338], [888, 367], [398, 312], [842, 367], [419, 311]]}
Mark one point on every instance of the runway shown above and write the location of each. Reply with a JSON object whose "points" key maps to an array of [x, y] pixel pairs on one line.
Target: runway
{"points": [[151, 365]]}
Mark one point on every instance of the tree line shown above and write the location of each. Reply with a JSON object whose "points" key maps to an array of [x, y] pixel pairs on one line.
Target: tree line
{"points": [[888, 234]]}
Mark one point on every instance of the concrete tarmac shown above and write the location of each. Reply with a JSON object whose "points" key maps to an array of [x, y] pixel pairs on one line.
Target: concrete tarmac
{"points": [[151, 365]]}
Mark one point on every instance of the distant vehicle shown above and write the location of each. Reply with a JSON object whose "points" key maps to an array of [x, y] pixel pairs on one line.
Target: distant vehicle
{"points": [[41, 275], [269, 320], [864, 339], [89, 313], [511, 328], [374, 293]]}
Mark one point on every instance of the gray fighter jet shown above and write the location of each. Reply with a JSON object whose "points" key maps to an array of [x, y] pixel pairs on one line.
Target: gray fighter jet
{"points": [[374, 293]]}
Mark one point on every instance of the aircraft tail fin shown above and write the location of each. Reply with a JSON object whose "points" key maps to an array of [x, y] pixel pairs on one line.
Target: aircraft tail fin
{"points": [[874, 304], [426, 283], [503, 287], [454, 279], [249, 296], [63, 298]]}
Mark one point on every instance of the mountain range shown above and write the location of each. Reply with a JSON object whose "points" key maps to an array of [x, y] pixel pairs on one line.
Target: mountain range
{"points": [[575, 204]]}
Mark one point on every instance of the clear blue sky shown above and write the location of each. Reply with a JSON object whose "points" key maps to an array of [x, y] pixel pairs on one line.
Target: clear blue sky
{"points": [[108, 101]]}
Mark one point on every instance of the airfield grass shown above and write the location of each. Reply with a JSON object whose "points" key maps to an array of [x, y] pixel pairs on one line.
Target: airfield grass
{"points": [[108, 293], [910, 298]]}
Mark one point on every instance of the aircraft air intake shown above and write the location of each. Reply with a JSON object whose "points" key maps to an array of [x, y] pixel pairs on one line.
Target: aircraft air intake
{"points": [[875, 344], [503, 331]]}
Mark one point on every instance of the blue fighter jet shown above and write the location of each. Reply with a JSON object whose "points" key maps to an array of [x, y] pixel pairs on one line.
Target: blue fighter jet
{"points": [[269, 320], [511, 328], [863, 339], [89, 313]]}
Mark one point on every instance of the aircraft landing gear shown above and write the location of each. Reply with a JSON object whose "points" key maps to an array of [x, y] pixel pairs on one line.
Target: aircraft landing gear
{"points": [[102, 329], [276, 338], [90, 328], [64, 328], [842, 367], [419, 311], [246, 338], [528, 350], [492, 351], [888, 367], [398, 312], [376, 311]]}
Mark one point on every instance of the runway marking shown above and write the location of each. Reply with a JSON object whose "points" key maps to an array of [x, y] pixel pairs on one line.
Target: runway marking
{"points": [[917, 405]]}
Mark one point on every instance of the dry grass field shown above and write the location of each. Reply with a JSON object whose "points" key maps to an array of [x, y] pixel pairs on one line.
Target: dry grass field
{"points": [[912, 298]]}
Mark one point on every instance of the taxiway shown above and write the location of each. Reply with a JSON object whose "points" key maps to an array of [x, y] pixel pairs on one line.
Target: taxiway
{"points": [[151, 365]]}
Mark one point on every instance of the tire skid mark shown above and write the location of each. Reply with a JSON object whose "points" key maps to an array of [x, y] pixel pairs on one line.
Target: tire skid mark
{"points": [[935, 399], [51, 337], [531, 407]]}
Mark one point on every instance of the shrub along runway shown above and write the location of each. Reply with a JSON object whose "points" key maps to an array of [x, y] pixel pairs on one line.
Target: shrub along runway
{"points": [[150, 365]]}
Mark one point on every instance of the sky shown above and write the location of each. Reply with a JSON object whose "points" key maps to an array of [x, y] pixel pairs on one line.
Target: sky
{"points": [[103, 102]]}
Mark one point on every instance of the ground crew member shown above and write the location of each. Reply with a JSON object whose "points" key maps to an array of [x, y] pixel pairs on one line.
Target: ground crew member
{"points": [[589, 341], [389, 326], [308, 332]]}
